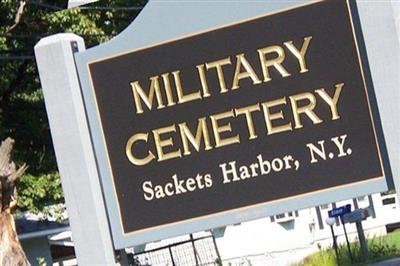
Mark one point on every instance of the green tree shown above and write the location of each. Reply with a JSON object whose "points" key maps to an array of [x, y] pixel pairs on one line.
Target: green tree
{"points": [[22, 111]]}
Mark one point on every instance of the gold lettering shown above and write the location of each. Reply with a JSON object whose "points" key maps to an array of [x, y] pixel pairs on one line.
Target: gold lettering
{"points": [[249, 119], [178, 85], [332, 102], [168, 90], [248, 73], [129, 146], [300, 55], [138, 94], [220, 73], [218, 129], [269, 117], [201, 132], [275, 62], [161, 143], [203, 80], [306, 109]]}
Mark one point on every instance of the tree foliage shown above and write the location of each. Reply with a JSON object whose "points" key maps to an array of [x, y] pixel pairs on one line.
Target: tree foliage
{"points": [[22, 111]]}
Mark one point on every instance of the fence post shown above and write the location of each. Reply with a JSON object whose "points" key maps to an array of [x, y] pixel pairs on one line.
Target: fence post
{"points": [[171, 255], [216, 249], [194, 250]]}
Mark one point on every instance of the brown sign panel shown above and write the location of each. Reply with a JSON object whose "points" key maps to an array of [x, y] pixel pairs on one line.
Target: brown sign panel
{"points": [[266, 109]]}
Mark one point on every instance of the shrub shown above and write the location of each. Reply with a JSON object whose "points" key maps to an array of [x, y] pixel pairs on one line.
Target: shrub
{"points": [[379, 248]]}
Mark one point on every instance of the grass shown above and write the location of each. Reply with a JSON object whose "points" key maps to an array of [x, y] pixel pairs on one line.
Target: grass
{"points": [[393, 238], [379, 248]]}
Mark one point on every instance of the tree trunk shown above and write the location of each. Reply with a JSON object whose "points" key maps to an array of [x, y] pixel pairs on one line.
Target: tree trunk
{"points": [[11, 252]]}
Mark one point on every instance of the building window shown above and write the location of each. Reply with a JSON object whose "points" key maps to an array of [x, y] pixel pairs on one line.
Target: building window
{"points": [[355, 203], [371, 206], [324, 206], [283, 217], [319, 218], [389, 201], [361, 199], [280, 216]]}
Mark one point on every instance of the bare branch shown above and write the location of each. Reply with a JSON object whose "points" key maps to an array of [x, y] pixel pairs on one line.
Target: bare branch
{"points": [[8, 188], [5, 154], [8, 175], [18, 16], [15, 175]]}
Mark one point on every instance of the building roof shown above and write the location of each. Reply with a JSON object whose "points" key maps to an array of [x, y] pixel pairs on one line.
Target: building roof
{"points": [[31, 228]]}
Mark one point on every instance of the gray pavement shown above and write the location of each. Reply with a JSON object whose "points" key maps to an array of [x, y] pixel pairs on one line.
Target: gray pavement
{"points": [[391, 262]]}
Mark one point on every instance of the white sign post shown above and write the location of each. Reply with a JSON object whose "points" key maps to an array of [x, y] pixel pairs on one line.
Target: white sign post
{"points": [[71, 139], [75, 3]]}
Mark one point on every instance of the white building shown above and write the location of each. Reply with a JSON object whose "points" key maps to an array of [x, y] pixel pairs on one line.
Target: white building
{"points": [[287, 238], [279, 240], [283, 239]]}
